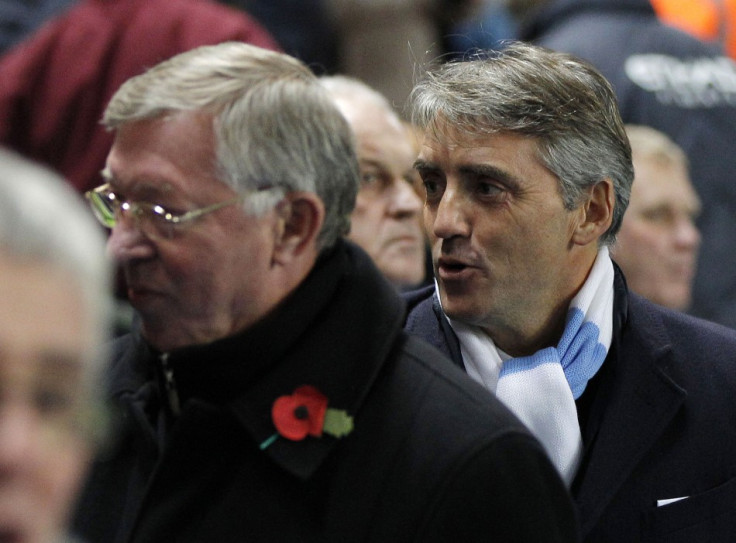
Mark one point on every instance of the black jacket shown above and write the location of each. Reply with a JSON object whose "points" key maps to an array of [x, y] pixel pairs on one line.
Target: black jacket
{"points": [[431, 457], [658, 422], [683, 87]]}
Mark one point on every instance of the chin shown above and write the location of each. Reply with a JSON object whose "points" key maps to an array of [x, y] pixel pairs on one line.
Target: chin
{"points": [[403, 278], [455, 308]]}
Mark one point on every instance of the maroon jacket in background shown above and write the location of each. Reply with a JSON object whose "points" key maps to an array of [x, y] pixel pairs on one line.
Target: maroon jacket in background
{"points": [[55, 86]]}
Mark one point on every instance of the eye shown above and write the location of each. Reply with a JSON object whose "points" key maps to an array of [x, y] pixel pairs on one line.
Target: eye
{"points": [[369, 178], [410, 178], [431, 186], [660, 215], [53, 402], [489, 189]]}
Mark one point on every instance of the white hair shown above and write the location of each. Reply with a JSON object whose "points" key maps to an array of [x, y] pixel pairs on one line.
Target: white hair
{"points": [[43, 220]]}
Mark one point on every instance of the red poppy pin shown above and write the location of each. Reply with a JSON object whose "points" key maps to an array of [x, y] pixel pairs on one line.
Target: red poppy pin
{"points": [[304, 413]]}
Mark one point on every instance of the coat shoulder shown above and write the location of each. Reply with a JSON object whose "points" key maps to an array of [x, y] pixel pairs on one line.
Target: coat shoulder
{"points": [[460, 453]]}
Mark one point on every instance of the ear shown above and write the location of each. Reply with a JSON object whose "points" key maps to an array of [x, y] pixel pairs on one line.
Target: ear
{"points": [[596, 213], [300, 216]]}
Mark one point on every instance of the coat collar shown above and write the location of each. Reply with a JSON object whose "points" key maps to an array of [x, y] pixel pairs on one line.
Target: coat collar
{"points": [[335, 332], [340, 352], [637, 399]]}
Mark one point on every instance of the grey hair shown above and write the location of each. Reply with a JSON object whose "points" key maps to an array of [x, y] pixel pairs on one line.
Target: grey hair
{"points": [[43, 220], [275, 126], [561, 101]]}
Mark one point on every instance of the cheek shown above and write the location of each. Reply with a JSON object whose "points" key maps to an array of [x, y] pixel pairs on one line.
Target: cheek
{"points": [[641, 238], [364, 222], [204, 262], [62, 475], [427, 221]]}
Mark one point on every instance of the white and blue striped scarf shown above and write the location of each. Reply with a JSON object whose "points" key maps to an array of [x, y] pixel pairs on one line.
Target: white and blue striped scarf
{"points": [[541, 389]]}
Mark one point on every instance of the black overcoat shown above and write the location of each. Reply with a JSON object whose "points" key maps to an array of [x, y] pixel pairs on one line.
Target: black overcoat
{"points": [[431, 457], [660, 424]]}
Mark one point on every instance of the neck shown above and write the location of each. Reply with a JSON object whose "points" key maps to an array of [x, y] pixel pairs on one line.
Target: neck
{"points": [[538, 332], [541, 326]]}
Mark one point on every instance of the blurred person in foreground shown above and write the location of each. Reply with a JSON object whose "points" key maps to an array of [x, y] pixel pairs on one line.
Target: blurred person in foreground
{"points": [[386, 219], [55, 290], [657, 246], [527, 170], [270, 393]]}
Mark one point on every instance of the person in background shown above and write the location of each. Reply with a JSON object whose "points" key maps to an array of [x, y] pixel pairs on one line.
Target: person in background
{"points": [[677, 84], [303, 29], [57, 82], [709, 20], [657, 246], [487, 27], [382, 41], [527, 170], [270, 393], [386, 219], [19, 18], [56, 293]]}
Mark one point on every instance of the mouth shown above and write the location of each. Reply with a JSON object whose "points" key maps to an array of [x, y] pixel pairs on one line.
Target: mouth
{"points": [[10, 534], [407, 237], [137, 294], [683, 271], [406, 243], [452, 269]]}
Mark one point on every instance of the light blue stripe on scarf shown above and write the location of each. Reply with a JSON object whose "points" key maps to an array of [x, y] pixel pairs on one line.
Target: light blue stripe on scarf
{"points": [[579, 351]]}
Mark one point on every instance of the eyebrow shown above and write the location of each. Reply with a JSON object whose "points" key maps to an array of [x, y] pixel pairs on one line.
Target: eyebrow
{"points": [[145, 190], [420, 164], [487, 170], [371, 163], [473, 170], [60, 360]]}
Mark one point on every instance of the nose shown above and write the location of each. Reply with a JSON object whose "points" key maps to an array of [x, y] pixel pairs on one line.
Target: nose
{"points": [[404, 201], [687, 233], [127, 242], [448, 219]]}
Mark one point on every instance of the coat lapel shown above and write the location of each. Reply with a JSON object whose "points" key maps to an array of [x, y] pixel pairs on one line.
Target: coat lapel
{"points": [[641, 400]]}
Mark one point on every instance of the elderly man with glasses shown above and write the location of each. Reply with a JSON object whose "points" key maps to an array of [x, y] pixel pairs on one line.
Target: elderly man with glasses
{"points": [[270, 393]]}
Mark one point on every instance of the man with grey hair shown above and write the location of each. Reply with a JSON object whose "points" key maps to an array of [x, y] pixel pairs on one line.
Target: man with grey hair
{"points": [[55, 291], [527, 171], [270, 393], [386, 219]]}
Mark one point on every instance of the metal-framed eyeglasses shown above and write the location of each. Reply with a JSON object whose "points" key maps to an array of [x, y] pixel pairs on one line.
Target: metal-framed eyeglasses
{"points": [[152, 219]]}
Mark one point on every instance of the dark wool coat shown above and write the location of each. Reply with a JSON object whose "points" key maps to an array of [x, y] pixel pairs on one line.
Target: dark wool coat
{"points": [[658, 422], [683, 87], [432, 457]]}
